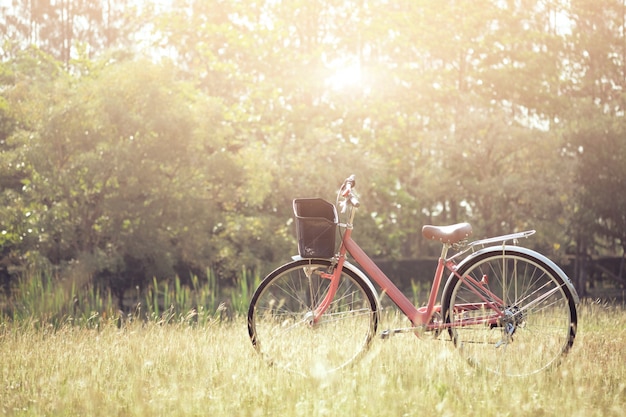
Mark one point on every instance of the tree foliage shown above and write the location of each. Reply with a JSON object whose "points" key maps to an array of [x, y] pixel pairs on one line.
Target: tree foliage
{"points": [[138, 140]]}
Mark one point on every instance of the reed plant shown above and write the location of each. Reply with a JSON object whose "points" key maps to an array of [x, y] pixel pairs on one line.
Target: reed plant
{"points": [[40, 296], [242, 293]]}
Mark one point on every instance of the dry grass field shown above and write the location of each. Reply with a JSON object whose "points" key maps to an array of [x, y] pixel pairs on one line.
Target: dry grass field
{"points": [[177, 370]]}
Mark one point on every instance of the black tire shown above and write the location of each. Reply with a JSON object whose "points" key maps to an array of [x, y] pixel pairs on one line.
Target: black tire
{"points": [[539, 322], [281, 308]]}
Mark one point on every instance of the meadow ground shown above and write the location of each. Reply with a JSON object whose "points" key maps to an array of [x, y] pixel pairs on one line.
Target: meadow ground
{"points": [[178, 370]]}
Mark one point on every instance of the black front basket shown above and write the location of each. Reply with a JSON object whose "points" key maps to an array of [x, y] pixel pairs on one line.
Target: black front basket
{"points": [[316, 226]]}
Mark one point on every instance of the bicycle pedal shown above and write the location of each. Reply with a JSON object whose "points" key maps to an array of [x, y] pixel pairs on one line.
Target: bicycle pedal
{"points": [[386, 334]]}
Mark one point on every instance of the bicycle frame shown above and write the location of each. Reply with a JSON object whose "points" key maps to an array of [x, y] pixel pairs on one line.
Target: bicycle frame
{"points": [[419, 316]]}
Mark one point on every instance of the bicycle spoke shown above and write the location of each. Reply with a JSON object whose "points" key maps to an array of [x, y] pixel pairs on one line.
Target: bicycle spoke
{"points": [[282, 325], [528, 332]]}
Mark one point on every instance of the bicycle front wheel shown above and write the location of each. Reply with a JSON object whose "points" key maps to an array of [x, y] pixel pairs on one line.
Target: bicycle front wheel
{"points": [[280, 318], [509, 312]]}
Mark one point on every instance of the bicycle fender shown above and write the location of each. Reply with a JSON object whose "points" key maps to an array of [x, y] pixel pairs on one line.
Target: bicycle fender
{"points": [[352, 268], [529, 252]]}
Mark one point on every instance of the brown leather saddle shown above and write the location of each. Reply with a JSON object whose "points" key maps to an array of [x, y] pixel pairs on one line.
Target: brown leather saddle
{"points": [[447, 234]]}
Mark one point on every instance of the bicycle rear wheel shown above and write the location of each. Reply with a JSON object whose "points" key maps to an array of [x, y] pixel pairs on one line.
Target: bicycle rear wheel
{"points": [[511, 313], [280, 318]]}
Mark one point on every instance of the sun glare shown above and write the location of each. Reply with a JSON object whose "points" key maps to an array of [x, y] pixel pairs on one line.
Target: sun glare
{"points": [[345, 76]]}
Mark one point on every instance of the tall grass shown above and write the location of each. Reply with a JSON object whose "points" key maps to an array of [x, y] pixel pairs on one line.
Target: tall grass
{"points": [[39, 297], [145, 369]]}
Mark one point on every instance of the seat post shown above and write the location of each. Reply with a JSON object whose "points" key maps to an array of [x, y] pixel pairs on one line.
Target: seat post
{"points": [[444, 251]]}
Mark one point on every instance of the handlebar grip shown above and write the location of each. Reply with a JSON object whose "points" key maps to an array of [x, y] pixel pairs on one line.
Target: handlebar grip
{"points": [[347, 186], [354, 201]]}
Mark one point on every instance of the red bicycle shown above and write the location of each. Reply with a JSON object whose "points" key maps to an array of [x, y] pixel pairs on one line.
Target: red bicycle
{"points": [[506, 308]]}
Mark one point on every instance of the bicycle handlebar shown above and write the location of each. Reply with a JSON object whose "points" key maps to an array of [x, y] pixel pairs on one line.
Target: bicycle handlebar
{"points": [[346, 191]]}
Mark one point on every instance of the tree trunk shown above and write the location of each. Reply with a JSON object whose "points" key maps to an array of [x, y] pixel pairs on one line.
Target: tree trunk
{"points": [[580, 267]]}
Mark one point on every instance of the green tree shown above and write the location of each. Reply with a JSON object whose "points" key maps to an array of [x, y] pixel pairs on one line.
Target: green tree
{"points": [[594, 83], [600, 180], [127, 171], [457, 114], [67, 29]]}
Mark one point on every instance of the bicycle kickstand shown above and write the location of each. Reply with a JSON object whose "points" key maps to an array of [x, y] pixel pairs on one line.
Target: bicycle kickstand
{"points": [[417, 330]]}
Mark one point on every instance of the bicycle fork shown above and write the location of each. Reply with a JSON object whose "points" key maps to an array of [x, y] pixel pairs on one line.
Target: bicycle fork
{"points": [[318, 308]]}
